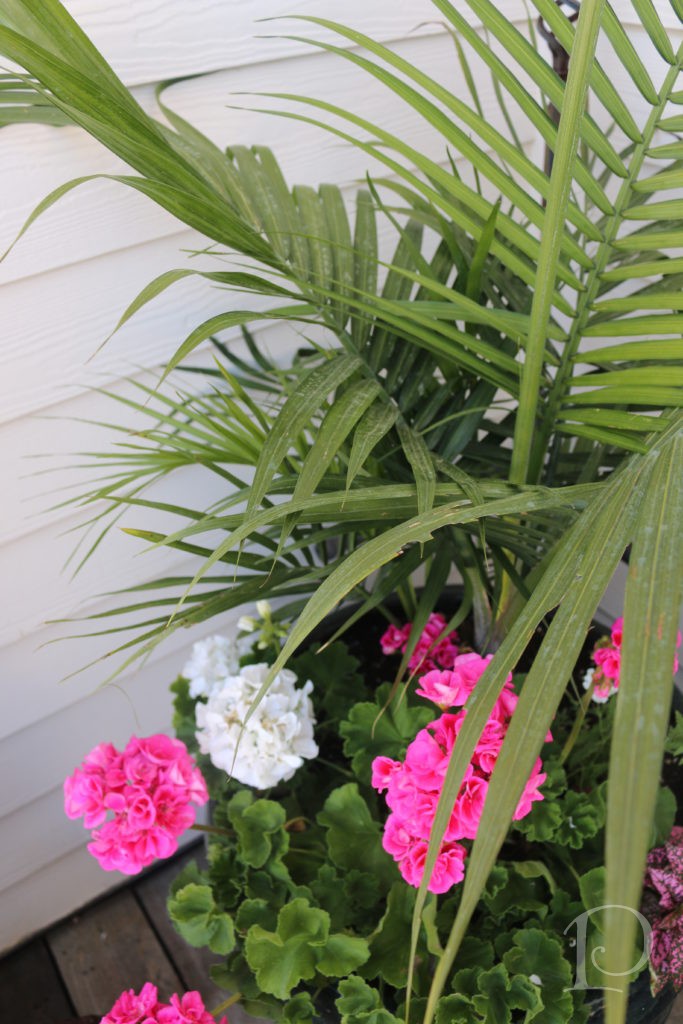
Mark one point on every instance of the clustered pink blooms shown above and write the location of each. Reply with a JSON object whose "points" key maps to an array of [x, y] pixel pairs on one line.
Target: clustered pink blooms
{"points": [[148, 788], [663, 904], [413, 786], [430, 652], [604, 678], [145, 1008]]}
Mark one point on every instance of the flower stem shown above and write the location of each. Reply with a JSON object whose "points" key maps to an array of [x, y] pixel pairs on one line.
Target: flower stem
{"points": [[213, 830], [576, 728], [338, 768], [230, 1001]]}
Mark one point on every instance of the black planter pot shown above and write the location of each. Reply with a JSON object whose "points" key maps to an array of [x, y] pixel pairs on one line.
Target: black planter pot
{"points": [[643, 1008]]}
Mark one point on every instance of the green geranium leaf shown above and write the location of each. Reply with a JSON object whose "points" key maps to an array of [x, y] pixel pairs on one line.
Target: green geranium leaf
{"points": [[474, 952], [464, 982], [581, 1012], [283, 958], [496, 882], [299, 1009], [353, 837], [259, 826], [336, 680], [227, 875], [389, 949], [542, 822], [190, 873], [262, 885], [519, 894], [343, 954], [562, 913], [255, 912], [360, 888], [674, 739], [500, 995], [184, 723], [535, 869], [592, 888], [538, 957], [540, 825], [328, 891], [583, 815], [665, 815], [456, 1009], [418, 1005], [372, 729], [358, 1003], [235, 975], [356, 997], [200, 922]]}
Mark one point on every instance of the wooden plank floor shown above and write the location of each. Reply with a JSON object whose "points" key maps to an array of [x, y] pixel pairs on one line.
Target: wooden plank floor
{"points": [[81, 965]]}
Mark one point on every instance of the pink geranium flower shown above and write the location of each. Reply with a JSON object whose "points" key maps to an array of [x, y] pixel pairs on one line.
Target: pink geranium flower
{"points": [[413, 787], [449, 868], [604, 679], [145, 1008], [435, 648], [149, 789], [130, 1008]]}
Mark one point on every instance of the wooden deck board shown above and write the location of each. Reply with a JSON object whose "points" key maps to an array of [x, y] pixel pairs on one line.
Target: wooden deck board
{"points": [[107, 949], [31, 991]]}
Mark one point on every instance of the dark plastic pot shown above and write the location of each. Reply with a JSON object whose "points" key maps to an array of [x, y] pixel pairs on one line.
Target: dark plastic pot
{"points": [[643, 1008]]}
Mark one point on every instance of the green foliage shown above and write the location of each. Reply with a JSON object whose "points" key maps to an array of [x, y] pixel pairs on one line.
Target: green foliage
{"points": [[674, 742], [259, 827], [299, 1009], [383, 727], [335, 675], [354, 838], [199, 920], [303, 902], [535, 955], [665, 816], [389, 952], [299, 947], [358, 1003]]}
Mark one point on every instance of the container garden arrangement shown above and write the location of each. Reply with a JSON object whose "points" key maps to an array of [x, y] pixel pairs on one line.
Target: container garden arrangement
{"points": [[500, 398], [323, 800]]}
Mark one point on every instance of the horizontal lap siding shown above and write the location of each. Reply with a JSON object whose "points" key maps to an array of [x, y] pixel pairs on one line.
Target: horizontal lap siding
{"points": [[62, 290]]}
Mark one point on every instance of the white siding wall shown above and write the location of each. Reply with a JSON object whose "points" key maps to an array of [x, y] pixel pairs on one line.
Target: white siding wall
{"points": [[61, 291]]}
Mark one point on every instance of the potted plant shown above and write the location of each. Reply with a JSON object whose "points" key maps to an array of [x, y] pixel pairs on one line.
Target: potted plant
{"points": [[461, 412], [323, 801]]}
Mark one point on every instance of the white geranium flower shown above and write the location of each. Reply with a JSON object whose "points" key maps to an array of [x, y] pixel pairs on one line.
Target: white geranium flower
{"points": [[603, 689], [211, 662], [267, 747]]}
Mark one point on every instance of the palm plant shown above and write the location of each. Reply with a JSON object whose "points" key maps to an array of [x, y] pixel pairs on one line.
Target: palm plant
{"points": [[499, 397]]}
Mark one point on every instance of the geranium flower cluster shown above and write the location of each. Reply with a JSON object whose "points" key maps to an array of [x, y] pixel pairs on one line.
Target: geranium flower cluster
{"points": [[413, 786], [145, 1008], [267, 746], [663, 905], [604, 678], [148, 788], [212, 660], [435, 649]]}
